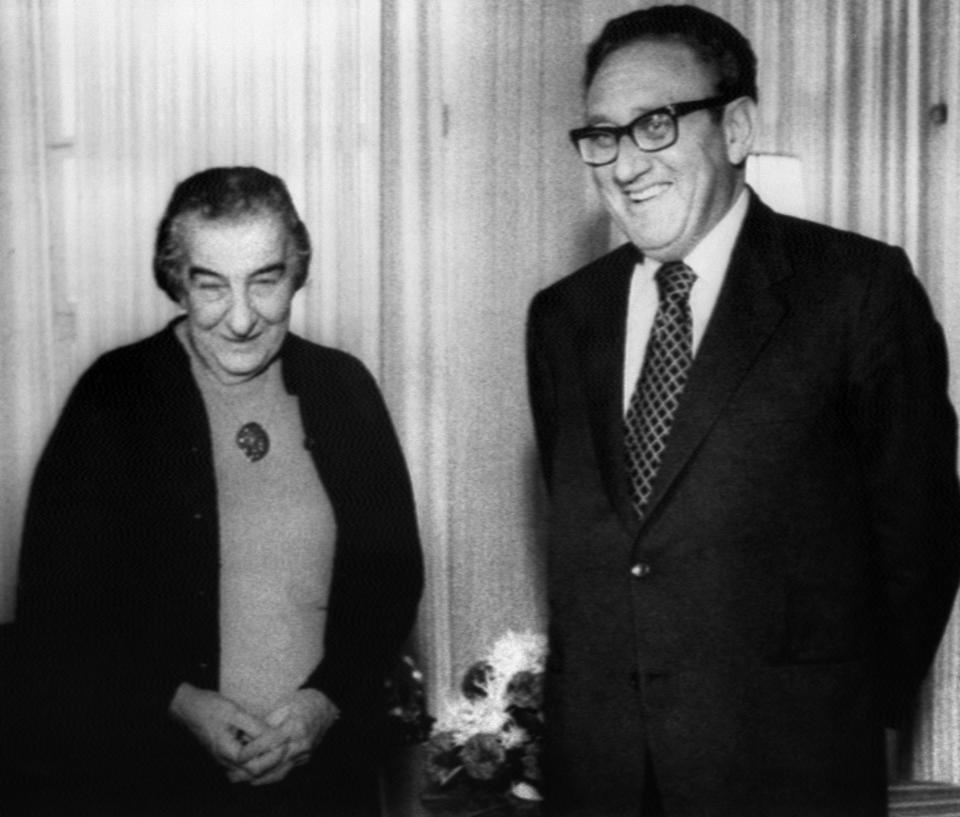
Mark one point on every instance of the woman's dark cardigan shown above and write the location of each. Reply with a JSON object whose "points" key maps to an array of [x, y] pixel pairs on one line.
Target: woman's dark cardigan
{"points": [[118, 587]]}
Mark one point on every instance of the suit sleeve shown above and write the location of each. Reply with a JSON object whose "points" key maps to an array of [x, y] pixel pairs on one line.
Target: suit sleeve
{"points": [[907, 436], [541, 385]]}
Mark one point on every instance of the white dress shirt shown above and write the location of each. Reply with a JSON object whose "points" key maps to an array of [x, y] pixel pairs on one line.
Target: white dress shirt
{"points": [[709, 260]]}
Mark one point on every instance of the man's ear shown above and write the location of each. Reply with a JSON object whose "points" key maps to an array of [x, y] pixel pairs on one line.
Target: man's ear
{"points": [[740, 128]]}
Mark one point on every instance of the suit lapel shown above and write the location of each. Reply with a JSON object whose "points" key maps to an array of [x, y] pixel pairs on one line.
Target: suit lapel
{"points": [[602, 363], [747, 312]]}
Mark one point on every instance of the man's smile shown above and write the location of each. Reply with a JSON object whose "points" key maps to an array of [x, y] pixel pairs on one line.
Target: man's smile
{"points": [[646, 193]]}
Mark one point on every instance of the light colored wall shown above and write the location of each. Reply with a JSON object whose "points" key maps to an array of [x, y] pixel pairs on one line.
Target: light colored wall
{"points": [[504, 216]]}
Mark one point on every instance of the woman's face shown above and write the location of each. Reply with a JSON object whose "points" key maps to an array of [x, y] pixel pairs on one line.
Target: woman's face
{"points": [[237, 288]]}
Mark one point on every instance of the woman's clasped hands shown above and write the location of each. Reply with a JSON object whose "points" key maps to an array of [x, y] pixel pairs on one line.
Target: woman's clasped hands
{"points": [[254, 750]]}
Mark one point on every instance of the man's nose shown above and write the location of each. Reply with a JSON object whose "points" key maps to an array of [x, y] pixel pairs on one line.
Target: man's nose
{"points": [[631, 161], [241, 317]]}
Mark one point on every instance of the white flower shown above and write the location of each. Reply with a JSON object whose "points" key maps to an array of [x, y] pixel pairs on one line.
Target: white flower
{"points": [[513, 736], [464, 718], [525, 791], [515, 652]]}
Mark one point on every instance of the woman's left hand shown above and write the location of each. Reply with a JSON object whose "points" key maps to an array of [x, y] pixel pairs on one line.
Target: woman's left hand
{"points": [[298, 726]]}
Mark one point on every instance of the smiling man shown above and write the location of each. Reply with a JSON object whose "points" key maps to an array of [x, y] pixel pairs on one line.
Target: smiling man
{"points": [[754, 533]]}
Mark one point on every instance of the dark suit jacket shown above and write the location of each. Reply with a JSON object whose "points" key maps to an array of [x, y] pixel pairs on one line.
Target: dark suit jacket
{"points": [[800, 550], [118, 588]]}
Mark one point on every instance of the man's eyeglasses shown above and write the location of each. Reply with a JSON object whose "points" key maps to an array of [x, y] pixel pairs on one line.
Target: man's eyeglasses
{"points": [[652, 131]]}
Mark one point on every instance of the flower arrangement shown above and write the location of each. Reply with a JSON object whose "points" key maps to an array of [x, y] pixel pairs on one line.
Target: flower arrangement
{"points": [[488, 737]]}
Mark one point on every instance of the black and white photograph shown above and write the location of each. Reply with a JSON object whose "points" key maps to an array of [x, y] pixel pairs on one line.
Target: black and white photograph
{"points": [[479, 408]]}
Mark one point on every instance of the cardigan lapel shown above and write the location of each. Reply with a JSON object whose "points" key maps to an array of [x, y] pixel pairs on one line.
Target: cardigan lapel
{"points": [[317, 405], [191, 426], [747, 312]]}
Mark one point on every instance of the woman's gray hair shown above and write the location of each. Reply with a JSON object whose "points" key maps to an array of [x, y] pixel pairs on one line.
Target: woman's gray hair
{"points": [[224, 193]]}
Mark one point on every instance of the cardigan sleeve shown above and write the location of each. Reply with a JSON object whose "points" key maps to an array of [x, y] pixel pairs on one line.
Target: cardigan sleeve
{"points": [[116, 589], [378, 567], [87, 678]]}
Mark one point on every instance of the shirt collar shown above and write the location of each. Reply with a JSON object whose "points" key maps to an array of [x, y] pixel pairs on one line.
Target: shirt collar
{"points": [[711, 257]]}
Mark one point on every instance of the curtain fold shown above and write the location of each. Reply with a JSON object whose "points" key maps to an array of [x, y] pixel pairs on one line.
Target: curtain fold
{"points": [[935, 744], [414, 319], [26, 308]]}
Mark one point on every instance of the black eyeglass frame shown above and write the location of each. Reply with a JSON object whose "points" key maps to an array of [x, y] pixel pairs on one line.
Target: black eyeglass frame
{"points": [[675, 110]]}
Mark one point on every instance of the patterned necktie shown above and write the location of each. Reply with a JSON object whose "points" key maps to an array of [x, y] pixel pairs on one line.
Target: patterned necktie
{"points": [[664, 374]]}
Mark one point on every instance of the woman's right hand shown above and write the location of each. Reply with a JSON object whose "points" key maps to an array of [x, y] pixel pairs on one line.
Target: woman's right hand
{"points": [[221, 727]]}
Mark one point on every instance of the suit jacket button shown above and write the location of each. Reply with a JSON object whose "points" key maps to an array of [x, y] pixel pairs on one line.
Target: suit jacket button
{"points": [[640, 570]]}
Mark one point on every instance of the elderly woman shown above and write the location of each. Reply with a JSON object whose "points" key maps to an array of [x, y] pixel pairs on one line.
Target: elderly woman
{"points": [[220, 557]]}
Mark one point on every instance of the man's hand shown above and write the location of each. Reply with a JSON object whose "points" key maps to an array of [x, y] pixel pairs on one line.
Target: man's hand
{"points": [[295, 728], [221, 727]]}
